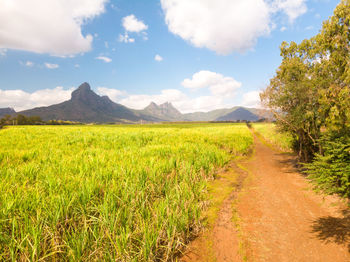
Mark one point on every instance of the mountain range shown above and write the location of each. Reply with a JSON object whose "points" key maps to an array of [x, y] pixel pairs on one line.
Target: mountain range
{"points": [[86, 106]]}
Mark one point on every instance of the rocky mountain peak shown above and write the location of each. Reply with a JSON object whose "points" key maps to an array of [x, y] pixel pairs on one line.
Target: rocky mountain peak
{"points": [[84, 93]]}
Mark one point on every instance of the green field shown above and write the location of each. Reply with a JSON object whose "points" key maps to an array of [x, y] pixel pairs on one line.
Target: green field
{"points": [[269, 132], [128, 193]]}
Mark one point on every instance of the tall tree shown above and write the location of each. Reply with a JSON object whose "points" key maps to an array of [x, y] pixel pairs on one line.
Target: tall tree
{"points": [[310, 97]]}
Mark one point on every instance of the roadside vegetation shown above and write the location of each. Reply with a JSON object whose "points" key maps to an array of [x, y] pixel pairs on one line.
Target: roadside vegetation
{"points": [[310, 98], [126, 193], [270, 133]]}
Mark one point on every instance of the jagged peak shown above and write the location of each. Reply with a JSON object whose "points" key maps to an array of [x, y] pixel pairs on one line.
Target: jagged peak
{"points": [[84, 86], [151, 106], [83, 89]]}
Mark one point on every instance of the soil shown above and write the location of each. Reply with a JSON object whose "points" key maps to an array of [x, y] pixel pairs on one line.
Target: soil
{"points": [[272, 214]]}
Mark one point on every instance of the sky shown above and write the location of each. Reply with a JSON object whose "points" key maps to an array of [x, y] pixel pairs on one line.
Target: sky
{"points": [[199, 55]]}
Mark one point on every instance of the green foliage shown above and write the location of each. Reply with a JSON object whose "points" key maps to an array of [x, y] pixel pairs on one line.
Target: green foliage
{"points": [[269, 131], [310, 96], [330, 172], [96, 193]]}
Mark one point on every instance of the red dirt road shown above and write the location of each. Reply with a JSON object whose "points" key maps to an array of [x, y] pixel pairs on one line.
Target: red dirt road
{"points": [[280, 218]]}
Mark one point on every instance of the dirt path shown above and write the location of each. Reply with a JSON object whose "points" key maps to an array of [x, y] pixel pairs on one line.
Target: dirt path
{"points": [[280, 218]]}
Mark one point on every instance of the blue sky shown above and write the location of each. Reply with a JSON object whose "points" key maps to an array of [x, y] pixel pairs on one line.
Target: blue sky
{"points": [[210, 53]]}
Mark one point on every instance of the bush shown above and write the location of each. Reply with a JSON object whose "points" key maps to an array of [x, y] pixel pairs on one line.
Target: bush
{"points": [[330, 172]]}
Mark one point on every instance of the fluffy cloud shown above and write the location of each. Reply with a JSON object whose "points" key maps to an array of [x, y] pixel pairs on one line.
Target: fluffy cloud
{"points": [[51, 66], [132, 24], [104, 59], [51, 26], [292, 8], [223, 26], [158, 58], [218, 84], [251, 99], [226, 26], [21, 100]]}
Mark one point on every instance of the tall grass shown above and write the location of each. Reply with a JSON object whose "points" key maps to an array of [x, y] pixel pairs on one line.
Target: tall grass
{"points": [[126, 193], [269, 131]]}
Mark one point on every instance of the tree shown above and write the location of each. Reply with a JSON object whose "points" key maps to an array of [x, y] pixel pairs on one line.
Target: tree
{"points": [[310, 98]]}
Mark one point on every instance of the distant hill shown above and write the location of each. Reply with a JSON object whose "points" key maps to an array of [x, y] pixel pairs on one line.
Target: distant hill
{"points": [[163, 112], [240, 113], [85, 106], [6, 111]]}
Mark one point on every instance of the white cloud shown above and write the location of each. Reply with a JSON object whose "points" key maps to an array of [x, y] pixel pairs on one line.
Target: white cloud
{"points": [[113, 94], [51, 66], [223, 26], [251, 99], [132, 24], [226, 26], [53, 27], [283, 28], [126, 38], [158, 58], [104, 59], [292, 8], [28, 63], [218, 84], [76, 65], [21, 100]]}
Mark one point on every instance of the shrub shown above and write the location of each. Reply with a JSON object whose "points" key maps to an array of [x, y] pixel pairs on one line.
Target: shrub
{"points": [[330, 172]]}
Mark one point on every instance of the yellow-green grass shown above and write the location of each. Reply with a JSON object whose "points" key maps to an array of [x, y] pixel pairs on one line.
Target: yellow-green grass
{"points": [[126, 193], [269, 131]]}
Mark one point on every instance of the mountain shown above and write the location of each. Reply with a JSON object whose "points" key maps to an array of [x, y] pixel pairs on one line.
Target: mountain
{"points": [[6, 111], [86, 106], [208, 116], [240, 113], [163, 112]]}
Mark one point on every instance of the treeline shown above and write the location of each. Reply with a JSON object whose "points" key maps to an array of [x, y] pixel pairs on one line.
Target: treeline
{"points": [[310, 98], [32, 120]]}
